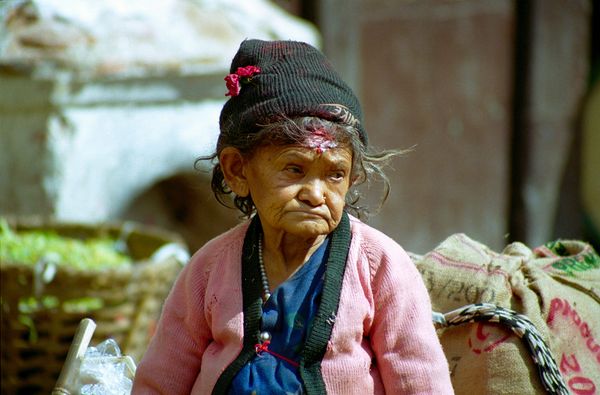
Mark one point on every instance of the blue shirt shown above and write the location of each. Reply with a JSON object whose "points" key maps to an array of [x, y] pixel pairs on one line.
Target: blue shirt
{"points": [[287, 315]]}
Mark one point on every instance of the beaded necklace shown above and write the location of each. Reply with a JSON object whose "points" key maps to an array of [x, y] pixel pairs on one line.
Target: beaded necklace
{"points": [[263, 273], [265, 337]]}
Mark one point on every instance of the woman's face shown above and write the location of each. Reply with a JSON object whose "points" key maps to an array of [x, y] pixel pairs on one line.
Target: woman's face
{"points": [[299, 190]]}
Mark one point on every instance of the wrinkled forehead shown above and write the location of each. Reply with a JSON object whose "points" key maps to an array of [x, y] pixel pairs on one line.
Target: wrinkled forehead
{"points": [[338, 156]]}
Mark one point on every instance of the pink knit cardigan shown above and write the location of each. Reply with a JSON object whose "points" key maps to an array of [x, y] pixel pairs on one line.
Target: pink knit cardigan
{"points": [[383, 339]]}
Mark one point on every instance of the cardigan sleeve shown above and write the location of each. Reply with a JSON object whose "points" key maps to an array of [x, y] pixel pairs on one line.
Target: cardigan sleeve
{"points": [[408, 353], [173, 359]]}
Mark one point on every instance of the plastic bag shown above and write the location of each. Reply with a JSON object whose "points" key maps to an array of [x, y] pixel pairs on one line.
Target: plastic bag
{"points": [[104, 371]]}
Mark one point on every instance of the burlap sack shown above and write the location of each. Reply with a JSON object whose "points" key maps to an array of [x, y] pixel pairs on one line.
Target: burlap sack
{"points": [[564, 286], [556, 286]]}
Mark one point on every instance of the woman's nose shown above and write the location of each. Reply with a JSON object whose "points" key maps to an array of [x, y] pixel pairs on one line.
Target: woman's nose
{"points": [[313, 192]]}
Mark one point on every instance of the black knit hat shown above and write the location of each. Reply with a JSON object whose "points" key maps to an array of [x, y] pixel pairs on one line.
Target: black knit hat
{"points": [[273, 80]]}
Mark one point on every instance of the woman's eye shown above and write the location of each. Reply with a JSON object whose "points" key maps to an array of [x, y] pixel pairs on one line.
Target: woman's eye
{"points": [[338, 175], [293, 169]]}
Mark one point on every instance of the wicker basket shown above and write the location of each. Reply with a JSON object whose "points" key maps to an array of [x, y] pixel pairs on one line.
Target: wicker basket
{"points": [[124, 302]]}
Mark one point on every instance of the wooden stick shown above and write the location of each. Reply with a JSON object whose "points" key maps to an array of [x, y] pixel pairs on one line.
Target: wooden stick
{"points": [[83, 336]]}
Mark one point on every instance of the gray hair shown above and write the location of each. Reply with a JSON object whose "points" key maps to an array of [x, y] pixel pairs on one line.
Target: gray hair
{"points": [[367, 166]]}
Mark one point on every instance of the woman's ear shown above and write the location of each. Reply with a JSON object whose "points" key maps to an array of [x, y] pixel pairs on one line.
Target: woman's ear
{"points": [[232, 166]]}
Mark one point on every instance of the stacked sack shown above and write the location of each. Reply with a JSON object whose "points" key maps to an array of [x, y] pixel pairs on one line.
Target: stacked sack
{"points": [[556, 286]]}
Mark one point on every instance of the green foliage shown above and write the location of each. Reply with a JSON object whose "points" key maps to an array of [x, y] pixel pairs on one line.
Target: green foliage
{"points": [[28, 247]]}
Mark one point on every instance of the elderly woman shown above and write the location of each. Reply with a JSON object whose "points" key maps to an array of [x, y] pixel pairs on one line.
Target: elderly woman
{"points": [[302, 297]]}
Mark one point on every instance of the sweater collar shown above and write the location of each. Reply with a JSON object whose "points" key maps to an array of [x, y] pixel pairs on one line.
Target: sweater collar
{"points": [[320, 331]]}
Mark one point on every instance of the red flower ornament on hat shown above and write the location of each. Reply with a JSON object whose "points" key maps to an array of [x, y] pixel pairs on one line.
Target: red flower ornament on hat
{"points": [[242, 75]]}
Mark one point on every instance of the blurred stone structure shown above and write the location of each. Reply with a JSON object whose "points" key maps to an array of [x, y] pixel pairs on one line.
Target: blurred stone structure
{"points": [[104, 120], [105, 108]]}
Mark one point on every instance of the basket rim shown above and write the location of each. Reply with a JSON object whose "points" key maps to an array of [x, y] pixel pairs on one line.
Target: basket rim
{"points": [[42, 222]]}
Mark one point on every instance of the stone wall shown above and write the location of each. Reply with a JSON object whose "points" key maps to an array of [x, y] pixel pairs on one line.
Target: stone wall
{"points": [[102, 106]]}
